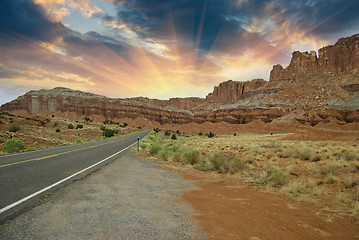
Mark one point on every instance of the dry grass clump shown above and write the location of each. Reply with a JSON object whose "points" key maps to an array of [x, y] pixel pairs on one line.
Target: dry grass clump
{"points": [[274, 177], [222, 162], [303, 186], [350, 182]]}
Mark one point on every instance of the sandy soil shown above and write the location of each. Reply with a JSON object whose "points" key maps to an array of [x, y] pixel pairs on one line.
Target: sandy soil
{"points": [[230, 209]]}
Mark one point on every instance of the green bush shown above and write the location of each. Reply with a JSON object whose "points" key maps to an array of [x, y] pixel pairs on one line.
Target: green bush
{"points": [[56, 124], [275, 177], [125, 124], [109, 133], [12, 146], [192, 157], [154, 148], [234, 134], [156, 130], [165, 154], [102, 128], [200, 133], [57, 130], [167, 132], [106, 121], [79, 126], [174, 137], [70, 126], [228, 163], [210, 135], [14, 128], [178, 132]]}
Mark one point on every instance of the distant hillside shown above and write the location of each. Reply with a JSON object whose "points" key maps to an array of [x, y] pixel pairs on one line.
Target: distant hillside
{"points": [[310, 90]]}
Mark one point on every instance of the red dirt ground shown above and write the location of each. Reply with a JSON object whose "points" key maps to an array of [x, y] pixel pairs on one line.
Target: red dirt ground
{"points": [[230, 209]]}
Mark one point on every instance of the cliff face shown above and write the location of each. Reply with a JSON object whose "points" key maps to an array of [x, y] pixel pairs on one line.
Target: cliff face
{"points": [[62, 100], [232, 91], [177, 103], [336, 60], [320, 89]]}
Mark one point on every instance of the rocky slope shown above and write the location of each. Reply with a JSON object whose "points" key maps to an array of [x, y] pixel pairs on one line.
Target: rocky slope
{"points": [[332, 61], [309, 91]]}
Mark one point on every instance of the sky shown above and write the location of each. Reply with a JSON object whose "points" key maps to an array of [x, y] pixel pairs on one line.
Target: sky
{"points": [[158, 48]]}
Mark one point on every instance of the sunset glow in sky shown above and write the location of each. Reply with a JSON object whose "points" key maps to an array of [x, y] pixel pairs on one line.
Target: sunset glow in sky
{"points": [[158, 48]]}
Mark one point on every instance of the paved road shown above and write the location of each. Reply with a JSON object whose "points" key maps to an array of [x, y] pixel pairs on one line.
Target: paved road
{"points": [[24, 174]]}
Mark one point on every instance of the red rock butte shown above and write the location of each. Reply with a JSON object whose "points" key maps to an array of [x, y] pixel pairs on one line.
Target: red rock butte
{"points": [[309, 91]]}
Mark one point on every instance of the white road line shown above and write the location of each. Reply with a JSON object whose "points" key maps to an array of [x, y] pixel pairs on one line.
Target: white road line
{"points": [[59, 182], [51, 148]]}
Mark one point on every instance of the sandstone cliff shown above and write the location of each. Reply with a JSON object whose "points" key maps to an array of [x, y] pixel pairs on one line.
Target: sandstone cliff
{"points": [[336, 60], [309, 91], [232, 91]]}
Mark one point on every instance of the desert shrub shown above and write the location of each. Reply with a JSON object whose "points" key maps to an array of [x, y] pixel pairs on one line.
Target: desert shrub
{"points": [[102, 128], [330, 179], [7, 114], [56, 124], [347, 155], [210, 135], [79, 126], [57, 130], [355, 209], [270, 144], [192, 156], [156, 130], [234, 134], [329, 169], [143, 145], [165, 154], [178, 132], [305, 153], [154, 148], [228, 163], [351, 182], [109, 132], [106, 121], [174, 137], [275, 177], [315, 157], [14, 128], [87, 119], [70, 126], [124, 125], [285, 154], [139, 127], [167, 132], [200, 133], [12, 146], [298, 188], [52, 115]]}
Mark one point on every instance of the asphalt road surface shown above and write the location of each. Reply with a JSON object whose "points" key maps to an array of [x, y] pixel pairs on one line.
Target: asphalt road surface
{"points": [[22, 175]]}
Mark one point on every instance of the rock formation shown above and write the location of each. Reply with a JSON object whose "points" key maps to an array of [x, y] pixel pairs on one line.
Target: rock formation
{"points": [[309, 91], [232, 91], [335, 60]]}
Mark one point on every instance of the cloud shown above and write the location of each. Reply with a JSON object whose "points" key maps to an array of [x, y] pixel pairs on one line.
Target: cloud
{"points": [[160, 48], [24, 18]]}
